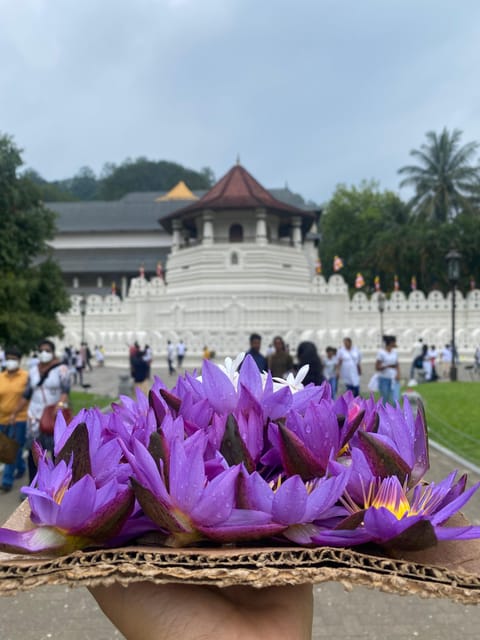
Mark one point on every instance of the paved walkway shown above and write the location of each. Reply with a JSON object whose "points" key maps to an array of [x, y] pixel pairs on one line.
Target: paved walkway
{"points": [[59, 612]]}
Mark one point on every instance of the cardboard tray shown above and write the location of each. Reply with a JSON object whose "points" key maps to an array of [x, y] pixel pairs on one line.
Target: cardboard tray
{"points": [[451, 569]]}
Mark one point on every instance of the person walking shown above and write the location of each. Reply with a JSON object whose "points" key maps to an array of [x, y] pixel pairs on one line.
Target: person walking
{"points": [[349, 366], [170, 357], [79, 366], [99, 355], [417, 351], [148, 358], [280, 362], [140, 372], [386, 364], [307, 354], [254, 351], [330, 369], [181, 349], [433, 355], [13, 423], [476, 360], [48, 384]]}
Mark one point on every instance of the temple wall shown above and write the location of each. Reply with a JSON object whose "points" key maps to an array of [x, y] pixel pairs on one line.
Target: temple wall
{"points": [[152, 314]]}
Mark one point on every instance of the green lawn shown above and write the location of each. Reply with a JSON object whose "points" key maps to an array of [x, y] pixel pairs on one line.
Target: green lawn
{"points": [[82, 400], [453, 416]]}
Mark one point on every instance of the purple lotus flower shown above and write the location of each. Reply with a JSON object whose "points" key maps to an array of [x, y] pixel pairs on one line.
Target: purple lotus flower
{"points": [[393, 516], [188, 506], [307, 443], [237, 456], [69, 515], [400, 445], [293, 503]]}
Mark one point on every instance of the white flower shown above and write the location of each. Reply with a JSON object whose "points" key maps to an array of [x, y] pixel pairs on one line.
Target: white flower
{"points": [[294, 382], [231, 367]]}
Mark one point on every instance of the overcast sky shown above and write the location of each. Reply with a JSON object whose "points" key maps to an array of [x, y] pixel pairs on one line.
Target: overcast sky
{"points": [[309, 92]]}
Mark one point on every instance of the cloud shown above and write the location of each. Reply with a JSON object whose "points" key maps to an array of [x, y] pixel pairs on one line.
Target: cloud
{"points": [[313, 92]]}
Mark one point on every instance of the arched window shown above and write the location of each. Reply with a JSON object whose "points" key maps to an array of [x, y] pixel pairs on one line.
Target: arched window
{"points": [[236, 233], [234, 258]]}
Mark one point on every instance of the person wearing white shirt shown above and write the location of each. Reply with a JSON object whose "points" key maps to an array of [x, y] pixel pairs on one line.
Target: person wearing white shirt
{"points": [[417, 351], [181, 348], [330, 370], [386, 365], [348, 366], [170, 356], [446, 358]]}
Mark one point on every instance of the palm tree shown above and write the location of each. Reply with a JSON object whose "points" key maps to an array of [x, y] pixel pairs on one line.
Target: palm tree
{"points": [[445, 179]]}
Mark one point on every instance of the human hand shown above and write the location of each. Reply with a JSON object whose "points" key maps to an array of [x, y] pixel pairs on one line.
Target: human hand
{"points": [[146, 611]]}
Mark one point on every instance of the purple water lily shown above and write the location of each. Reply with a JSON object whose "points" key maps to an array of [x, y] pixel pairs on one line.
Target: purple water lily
{"points": [[69, 515], [307, 443], [237, 456], [293, 503], [399, 446], [185, 504], [392, 515]]}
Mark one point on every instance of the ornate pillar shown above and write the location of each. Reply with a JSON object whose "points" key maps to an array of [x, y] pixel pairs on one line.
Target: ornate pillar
{"points": [[297, 232], [261, 231], [124, 287], [207, 235], [176, 238]]}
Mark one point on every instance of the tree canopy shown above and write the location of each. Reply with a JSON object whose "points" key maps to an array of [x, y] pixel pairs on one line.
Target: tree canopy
{"points": [[445, 179], [375, 233], [147, 175], [32, 291], [118, 180], [362, 225]]}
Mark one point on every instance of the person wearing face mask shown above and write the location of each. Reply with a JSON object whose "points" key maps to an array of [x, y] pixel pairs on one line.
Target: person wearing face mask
{"points": [[48, 384], [13, 382]]}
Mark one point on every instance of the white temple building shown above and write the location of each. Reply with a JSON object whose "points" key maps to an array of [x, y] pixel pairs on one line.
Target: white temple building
{"points": [[243, 261]]}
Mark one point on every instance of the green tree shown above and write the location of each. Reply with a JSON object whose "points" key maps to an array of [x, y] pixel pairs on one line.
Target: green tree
{"points": [[83, 186], [147, 175], [375, 233], [31, 285], [48, 191], [445, 179], [363, 226]]}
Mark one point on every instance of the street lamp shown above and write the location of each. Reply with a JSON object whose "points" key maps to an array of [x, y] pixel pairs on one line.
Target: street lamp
{"points": [[83, 312], [453, 258], [381, 299]]}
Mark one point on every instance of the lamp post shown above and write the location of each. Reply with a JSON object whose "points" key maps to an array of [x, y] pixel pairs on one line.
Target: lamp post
{"points": [[381, 299], [453, 258], [83, 313]]}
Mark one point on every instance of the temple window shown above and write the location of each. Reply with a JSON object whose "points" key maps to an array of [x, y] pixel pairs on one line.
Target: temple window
{"points": [[235, 233]]}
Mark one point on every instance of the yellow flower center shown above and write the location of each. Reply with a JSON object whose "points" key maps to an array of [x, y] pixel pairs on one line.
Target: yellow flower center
{"points": [[390, 495], [59, 495]]}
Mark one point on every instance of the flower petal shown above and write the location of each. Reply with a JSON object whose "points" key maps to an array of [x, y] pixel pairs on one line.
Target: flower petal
{"points": [[290, 501], [218, 388], [38, 540]]}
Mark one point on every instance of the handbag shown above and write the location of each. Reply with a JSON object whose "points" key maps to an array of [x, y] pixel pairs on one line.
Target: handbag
{"points": [[49, 415], [8, 449]]}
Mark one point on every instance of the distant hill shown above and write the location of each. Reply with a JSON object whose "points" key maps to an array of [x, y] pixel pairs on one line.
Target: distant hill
{"points": [[117, 180]]}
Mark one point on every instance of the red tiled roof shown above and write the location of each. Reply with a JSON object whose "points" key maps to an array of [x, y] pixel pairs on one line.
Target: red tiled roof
{"points": [[238, 189]]}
